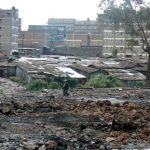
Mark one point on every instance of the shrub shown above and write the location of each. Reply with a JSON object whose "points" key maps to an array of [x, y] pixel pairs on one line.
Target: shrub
{"points": [[140, 84], [103, 81], [40, 84], [37, 85], [54, 85], [58, 79], [113, 82], [114, 52], [72, 83]]}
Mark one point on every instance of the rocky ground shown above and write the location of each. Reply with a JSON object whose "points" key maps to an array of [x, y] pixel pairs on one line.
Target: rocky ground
{"points": [[89, 119]]}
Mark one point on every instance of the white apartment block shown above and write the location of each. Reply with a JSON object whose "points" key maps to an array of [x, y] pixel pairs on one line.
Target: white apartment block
{"points": [[118, 39], [9, 29]]}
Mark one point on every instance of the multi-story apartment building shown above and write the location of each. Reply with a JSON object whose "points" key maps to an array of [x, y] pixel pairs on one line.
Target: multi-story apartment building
{"points": [[9, 29], [118, 39]]}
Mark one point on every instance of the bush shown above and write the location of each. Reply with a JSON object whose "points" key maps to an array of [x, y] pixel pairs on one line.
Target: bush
{"points": [[103, 81], [41, 84], [58, 79], [37, 85], [54, 85], [113, 82], [72, 83], [140, 84], [58, 82], [114, 52]]}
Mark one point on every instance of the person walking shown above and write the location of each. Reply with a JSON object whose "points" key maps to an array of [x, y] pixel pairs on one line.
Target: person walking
{"points": [[65, 88]]}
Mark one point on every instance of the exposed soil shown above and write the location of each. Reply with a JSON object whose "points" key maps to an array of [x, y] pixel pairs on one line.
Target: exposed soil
{"points": [[89, 119]]}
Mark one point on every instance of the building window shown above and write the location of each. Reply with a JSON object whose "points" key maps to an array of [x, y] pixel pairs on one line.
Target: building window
{"points": [[121, 48], [121, 33]]}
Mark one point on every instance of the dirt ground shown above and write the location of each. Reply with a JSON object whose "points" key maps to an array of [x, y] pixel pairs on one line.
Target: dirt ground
{"points": [[88, 119]]}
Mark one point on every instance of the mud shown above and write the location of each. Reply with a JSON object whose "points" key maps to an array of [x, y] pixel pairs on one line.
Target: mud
{"points": [[89, 119]]}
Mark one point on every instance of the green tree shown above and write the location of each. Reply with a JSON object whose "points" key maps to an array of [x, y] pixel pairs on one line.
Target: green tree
{"points": [[131, 43], [133, 16], [114, 52]]}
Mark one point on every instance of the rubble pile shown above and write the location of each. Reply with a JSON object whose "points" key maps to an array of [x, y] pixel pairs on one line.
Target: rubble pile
{"points": [[39, 107], [90, 124], [122, 120]]}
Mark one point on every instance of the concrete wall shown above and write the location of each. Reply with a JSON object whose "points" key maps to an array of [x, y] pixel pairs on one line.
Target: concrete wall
{"points": [[38, 39], [81, 51], [12, 71], [20, 72], [32, 39], [81, 39], [6, 71]]}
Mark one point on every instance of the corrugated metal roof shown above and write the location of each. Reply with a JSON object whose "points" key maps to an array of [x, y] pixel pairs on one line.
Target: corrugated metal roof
{"points": [[84, 68], [115, 67], [126, 74], [49, 69], [6, 64], [70, 72]]}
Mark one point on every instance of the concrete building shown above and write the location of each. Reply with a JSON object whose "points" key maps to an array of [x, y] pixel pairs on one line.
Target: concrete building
{"points": [[118, 39], [78, 32], [68, 36], [9, 30], [32, 39], [73, 25], [71, 37], [63, 33]]}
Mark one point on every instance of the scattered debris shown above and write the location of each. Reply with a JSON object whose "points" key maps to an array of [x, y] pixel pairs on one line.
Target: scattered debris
{"points": [[87, 119]]}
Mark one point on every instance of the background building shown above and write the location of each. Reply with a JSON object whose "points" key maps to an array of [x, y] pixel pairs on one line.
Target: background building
{"points": [[62, 33], [125, 44], [68, 36], [9, 29], [79, 32]]}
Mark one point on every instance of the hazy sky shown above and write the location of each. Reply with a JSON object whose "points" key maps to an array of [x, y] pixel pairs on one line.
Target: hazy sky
{"points": [[37, 12]]}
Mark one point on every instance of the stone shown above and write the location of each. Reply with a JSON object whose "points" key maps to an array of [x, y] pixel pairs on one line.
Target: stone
{"points": [[29, 144], [107, 102], [6, 110], [110, 139], [102, 147], [43, 147], [125, 96], [51, 144], [114, 134]]}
